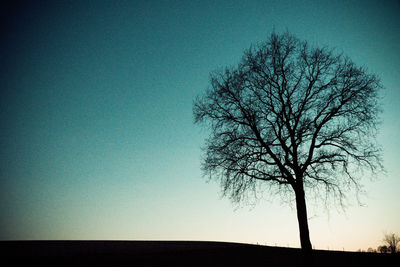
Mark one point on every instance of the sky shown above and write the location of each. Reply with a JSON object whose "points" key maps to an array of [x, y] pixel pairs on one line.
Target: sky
{"points": [[97, 140]]}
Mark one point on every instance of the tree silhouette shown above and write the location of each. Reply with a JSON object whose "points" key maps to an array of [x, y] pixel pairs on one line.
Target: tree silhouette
{"points": [[392, 240], [383, 249], [292, 117]]}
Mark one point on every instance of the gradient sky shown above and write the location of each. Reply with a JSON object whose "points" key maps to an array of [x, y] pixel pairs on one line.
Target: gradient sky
{"points": [[97, 139]]}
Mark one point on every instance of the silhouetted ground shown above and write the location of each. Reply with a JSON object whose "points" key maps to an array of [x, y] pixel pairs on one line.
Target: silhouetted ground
{"points": [[175, 253]]}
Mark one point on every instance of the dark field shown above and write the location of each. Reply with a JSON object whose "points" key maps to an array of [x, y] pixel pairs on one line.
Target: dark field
{"points": [[174, 253]]}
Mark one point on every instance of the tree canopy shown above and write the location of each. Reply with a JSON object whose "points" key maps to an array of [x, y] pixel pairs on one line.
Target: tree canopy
{"points": [[293, 117]]}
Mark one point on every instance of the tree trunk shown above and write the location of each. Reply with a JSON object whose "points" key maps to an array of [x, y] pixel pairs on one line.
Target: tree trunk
{"points": [[302, 218]]}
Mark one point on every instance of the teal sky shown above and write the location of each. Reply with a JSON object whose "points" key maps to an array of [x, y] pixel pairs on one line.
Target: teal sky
{"points": [[97, 139]]}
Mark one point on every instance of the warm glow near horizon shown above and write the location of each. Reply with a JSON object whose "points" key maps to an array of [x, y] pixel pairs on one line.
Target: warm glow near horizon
{"points": [[97, 139]]}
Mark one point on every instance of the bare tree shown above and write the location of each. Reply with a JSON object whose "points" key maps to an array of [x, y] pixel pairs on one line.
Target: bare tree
{"points": [[294, 118], [392, 240]]}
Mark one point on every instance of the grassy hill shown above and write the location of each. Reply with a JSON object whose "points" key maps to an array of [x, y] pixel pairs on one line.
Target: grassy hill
{"points": [[175, 253]]}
